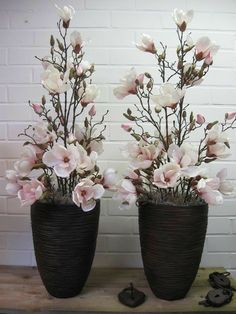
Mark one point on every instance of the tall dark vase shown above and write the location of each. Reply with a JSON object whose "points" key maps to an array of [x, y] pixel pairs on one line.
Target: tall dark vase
{"points": [[172, 240], [64, 239]]}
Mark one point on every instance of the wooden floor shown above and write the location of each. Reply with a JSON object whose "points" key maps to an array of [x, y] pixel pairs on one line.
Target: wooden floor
{"points": [[21, 291]]}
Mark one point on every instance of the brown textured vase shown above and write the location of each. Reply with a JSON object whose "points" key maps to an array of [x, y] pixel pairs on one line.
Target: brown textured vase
{"points": [[64, 239], [172, 240]]}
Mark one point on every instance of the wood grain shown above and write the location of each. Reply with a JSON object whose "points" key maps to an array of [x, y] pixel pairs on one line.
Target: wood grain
{"points": [[21, 291]]}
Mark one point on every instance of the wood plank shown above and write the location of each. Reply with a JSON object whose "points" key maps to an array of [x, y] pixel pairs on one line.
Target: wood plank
{"points": [[21, 291]]}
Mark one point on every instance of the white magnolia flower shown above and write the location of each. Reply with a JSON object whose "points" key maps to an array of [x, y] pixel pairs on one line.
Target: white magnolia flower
{"points": [[46, 62], [66, 13], [225, 186], [76, 41], [89, 95], [86, 193], [109, 178], [205, 50], [182, 18], [63, 160], [83, 67], [147, 44], [54, 81], [13, 185], [168, 96], [128, 84]]}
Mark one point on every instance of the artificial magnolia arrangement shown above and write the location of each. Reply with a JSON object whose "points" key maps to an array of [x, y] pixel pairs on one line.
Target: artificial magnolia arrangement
{"points": [[64, 152], [165, 167]]}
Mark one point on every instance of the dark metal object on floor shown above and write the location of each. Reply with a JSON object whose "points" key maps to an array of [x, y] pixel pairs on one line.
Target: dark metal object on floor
{"points": [[222, 294], [131, 296], [217, 297], [220, 280]]}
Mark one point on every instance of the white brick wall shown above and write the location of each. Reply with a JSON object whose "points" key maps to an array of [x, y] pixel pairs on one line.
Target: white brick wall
{"points": [[110, 27]]}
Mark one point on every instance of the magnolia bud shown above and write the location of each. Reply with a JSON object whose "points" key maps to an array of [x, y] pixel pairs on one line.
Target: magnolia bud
{"points": [[230, 115], [52, 41], [38, 108], [126, 127], [92, 111], [200, 119], [43, 100]]}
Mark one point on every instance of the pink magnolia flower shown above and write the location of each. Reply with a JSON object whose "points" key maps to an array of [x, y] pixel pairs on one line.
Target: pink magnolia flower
{"points": [[109, 178], [167, 175], [89, 95], [128, 84], [230, 115], [41, 134], [207, 189], [126, 193], [184, 156], [225, 186], [205, 50], [76, 41], [63, 160], [217, 143], [126, 127], [31, 191], [13, 185], [147, 44], [200, 119], [86, 193], [38, 108], [168, 96], [92, 111], [85, 162], [30, 155], [182, 18], [142, 154], [82, 133], [133, 175]]}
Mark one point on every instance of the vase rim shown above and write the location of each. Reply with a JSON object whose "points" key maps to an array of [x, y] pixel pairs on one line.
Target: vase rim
{"points": [[171, 205]]}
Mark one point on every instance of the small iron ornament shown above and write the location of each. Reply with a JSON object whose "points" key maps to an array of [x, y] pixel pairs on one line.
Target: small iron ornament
{"points": [[131, 296], [223, 292], [217, 297], [220, 280]]}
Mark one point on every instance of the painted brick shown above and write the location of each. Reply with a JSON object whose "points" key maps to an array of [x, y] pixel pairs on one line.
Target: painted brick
{"points": [[4, 20], [15, 38], [136, 19], [3, 132], [15, 257], [19, 241], [14, 207], [221, 243], [3, 205], [218, 225], [16, 223], [109, 4], [215, 260], [15, 74]]}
